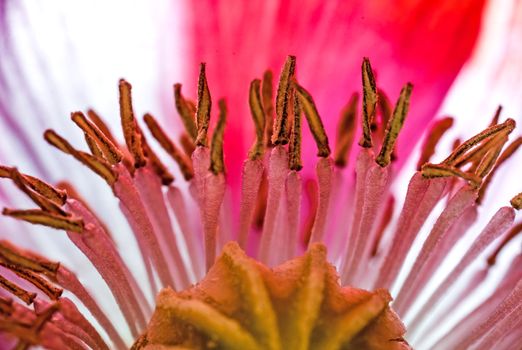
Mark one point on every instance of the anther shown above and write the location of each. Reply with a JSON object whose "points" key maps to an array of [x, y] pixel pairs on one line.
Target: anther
{"points": [[217, 164], [314, 120], [394, 126], [346, 131], [157, 165], [109, 151], [53, 194], [165, 142], [185, 112], [37, 216], [17, 291], [130, 127], [39, 282], [98, 165], [369, 103], [281, 132], [28, 260], [516, 202], [268, 105], [294, 147], [496, 116], [442, 170], [100, 124], [258, 115], [434, 135], [203, 108]]}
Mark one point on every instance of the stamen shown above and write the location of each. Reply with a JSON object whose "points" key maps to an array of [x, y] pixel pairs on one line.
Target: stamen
{"points": [[204, 107], [314, 120], [437, 130], [281, 131], [17, 291], [110, 152], [6, 306], [185, 112], [516, 201], [42, 284], [258, 115], [293, 187], [394, 126], [27, 260], [93, 147], [99, 166], [456, 156], [38, 199], [217, 164], [431, 171], [157, 165], [515, 230], [294, 147], [37, 216], [385, 221], [187, 144], [268, 106], [184, 164], [251, 177], [100, 124], [505, 155], [346, 131], [369, 103], [489, 159], [130, 128]]}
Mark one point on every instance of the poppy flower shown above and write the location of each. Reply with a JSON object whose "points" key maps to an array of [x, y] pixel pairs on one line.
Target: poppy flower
{"points": [[241, 243]]}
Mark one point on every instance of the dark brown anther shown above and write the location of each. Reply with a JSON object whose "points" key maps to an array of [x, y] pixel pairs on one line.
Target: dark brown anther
{"points": [[314, 121], [157, 132], [186, 113], [93, 147], [39, 282], [516, 202], [53, 194], [217, 164], [433, 137], [258, 115], [267, 92], [38, 199], [442, 170], [100, 124], [294, 147], [369, 103], [98, 165], [6, 307], [17, 291], [281, 132], [157, 165], [27, 260], [505, 155], [204, 107], [104, 145], [37, 216], [186, 144], [394, 126], [130, 128], [346, 131]]}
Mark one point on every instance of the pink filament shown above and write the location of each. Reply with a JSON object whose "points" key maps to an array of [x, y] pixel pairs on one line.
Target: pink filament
{"points": [[251, 179], [421, 198], [277, 170], [474, 318], [149, 187], [325, 171], [69, 281], [501, 329], [293, 204], [363, 163], [97, 246], [177, 203], [498, 224], [421, 271], [510, 304], [134, 210], [212, 199]]}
